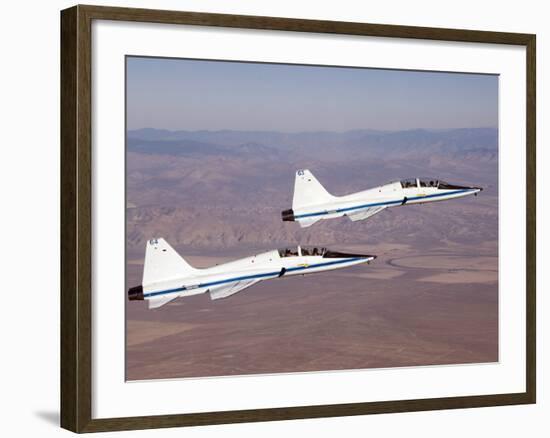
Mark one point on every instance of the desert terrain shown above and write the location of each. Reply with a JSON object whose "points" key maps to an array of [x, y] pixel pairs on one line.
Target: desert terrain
{"points": [[430, 298]]}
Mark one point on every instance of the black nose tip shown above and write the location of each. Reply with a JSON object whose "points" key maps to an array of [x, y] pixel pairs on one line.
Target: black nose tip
{"points": [[135, 293]]}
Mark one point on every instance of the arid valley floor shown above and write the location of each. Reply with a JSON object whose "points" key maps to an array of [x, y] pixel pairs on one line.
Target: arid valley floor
{"points": [[390, 313], [430, 298]]}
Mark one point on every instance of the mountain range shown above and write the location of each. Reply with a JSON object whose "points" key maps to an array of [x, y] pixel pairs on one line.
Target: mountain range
{"points": [[211, 191]]}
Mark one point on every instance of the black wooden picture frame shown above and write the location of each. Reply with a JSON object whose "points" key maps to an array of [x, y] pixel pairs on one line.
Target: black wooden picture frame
{"points": [[76, 217]]}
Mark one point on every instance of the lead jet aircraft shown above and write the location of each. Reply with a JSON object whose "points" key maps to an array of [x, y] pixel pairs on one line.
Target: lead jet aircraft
{"points": [[166, 275], [312, 202]]}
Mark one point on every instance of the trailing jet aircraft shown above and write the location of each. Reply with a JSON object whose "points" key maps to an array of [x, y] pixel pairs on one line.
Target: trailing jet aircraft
{"points": [[312, 202], [167, 276]]}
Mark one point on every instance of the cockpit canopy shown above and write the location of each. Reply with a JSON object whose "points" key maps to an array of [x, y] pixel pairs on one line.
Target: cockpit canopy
{"points": [[426, 182], [302, 251], [313, 251], [408, 183]]}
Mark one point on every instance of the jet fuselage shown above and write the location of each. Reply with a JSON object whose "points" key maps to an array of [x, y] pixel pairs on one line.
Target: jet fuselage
{"points": [[229, 278], [312, 202]]}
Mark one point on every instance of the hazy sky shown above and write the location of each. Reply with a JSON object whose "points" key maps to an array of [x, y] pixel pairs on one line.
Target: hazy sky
{"points": [[182, 94]]}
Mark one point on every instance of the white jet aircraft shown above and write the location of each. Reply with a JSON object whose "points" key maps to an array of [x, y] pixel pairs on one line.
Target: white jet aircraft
{"points": [[167, 276], [312, 202]]}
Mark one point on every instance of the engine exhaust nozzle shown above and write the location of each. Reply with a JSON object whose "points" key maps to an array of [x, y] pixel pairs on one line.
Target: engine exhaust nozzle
{"points": [[135, 293], [288, 215]]}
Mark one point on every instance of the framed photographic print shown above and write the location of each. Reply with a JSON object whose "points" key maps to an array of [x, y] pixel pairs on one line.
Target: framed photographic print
{"points": [[268, 218]]}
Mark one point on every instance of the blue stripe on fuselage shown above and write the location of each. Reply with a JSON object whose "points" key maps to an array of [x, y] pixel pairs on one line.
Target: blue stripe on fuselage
{"points": [[249, 277], [377, 204]]}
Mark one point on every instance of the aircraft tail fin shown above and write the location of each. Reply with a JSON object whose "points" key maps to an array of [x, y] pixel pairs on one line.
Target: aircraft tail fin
{"points": [[162, 262], [308, 191]]}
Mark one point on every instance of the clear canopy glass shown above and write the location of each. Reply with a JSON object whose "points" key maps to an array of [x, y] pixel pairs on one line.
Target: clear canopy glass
{"points": [[304, 250]]}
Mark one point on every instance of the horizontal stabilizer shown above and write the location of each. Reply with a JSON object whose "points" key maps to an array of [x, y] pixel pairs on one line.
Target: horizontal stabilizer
{"points": [[366, 213], [308, 221], [230, 289], [160, 301]]}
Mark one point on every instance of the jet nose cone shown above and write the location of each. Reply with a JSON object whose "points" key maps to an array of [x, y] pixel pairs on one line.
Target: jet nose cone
{"points": [[363, 256], [476, 190]]}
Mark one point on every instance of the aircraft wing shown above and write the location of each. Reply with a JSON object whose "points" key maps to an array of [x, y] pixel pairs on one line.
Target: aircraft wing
{"points": [[366, 213], [227, 290]]}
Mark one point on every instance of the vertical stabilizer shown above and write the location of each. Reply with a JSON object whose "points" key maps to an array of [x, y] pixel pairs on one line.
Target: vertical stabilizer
{"points": [[308, 191], [162, 263]]}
